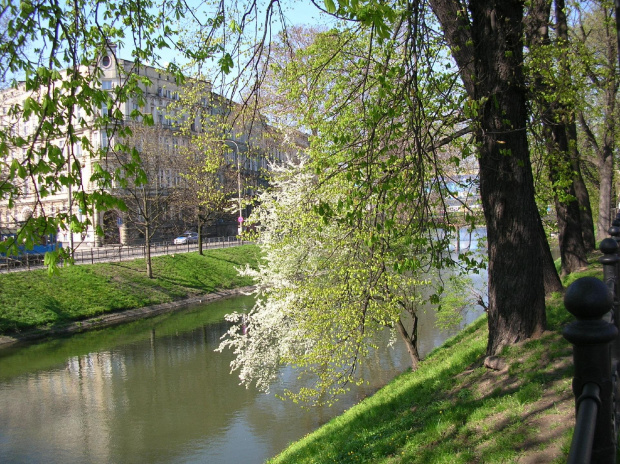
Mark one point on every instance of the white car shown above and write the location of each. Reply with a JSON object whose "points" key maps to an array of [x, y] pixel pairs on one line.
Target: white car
{"points": [[186, 237]]}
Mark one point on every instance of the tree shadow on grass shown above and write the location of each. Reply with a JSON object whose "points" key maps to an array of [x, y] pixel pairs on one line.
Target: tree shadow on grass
{"points": [[434, 419]]}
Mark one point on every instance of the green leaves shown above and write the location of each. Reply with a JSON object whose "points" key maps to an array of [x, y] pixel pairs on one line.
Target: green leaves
{"points": [[226, 63], [52, 127]]}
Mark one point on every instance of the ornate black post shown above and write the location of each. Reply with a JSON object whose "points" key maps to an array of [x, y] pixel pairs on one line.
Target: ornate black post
{"points": [[609, 247], [588, 299]]}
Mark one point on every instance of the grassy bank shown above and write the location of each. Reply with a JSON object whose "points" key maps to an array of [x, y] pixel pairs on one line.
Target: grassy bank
{"points": [[34, 299], [454, 410]]}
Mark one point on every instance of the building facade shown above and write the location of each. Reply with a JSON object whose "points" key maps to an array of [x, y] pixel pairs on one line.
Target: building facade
{"points": [[161, 98]]}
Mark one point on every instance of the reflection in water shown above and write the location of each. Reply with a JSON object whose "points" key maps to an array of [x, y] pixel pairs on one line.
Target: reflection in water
{"points": [[156, 391]]}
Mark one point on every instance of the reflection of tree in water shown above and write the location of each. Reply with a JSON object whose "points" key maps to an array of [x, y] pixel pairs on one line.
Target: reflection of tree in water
{"points": [[161, 396]]}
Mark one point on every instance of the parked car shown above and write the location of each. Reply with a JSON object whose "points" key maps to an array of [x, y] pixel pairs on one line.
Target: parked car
{"points": [[186, 237]]}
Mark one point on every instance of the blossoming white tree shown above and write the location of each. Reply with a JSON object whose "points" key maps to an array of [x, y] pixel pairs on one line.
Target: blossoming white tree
{"points": [[326, 287]]}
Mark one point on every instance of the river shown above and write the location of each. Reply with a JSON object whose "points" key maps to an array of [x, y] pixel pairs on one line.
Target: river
{"points": [[155, 391]]}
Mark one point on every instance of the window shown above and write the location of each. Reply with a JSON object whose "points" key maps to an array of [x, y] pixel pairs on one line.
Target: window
{"points": [[106, 61], [104, 140], [106, 85], [104, 109]]}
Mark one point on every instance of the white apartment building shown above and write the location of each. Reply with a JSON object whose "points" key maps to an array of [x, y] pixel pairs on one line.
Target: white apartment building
{"points": [[158, 98]]}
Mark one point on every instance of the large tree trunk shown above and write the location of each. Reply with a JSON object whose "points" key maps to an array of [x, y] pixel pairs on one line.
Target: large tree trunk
{"points": [[516, 291]]}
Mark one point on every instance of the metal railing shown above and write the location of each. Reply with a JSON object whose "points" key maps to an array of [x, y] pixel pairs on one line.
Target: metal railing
{"points": [[112, 253], [596, 355]]}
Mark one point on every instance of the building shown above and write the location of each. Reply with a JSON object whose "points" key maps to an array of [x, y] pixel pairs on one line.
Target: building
{"points": [[99, 128]]}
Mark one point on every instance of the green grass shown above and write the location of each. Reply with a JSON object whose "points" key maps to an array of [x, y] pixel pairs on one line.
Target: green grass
{"points": [[454, 410], [33, 299]]}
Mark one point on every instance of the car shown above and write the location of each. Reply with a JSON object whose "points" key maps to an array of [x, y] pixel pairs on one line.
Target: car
{"points": [[186, 237]]}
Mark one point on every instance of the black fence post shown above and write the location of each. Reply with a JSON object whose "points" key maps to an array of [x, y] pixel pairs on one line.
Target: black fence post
{"points": [[589, 300]]}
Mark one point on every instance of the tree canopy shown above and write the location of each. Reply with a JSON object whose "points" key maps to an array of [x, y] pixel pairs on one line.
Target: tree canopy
{"points": [[399, 99]]}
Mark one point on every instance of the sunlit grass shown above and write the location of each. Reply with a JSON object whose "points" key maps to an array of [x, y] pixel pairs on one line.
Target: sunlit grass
{"points": [[34, 299], [453, 410]]}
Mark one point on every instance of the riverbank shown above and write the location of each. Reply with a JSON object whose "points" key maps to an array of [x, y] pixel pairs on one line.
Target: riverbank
{"points": [[451, 410], [455, 410], [35, 305]]}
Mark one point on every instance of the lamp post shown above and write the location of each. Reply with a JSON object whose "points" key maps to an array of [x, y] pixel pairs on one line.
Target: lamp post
{"points": [[237, 154]]}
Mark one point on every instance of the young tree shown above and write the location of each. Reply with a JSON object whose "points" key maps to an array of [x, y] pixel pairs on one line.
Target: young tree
{"points": [[598, 115], [152, 193], [349, 237], [203, 120], [550, 89]]}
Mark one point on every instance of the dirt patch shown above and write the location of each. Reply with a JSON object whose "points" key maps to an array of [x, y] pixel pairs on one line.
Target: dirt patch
{"points": [[537, 415]]}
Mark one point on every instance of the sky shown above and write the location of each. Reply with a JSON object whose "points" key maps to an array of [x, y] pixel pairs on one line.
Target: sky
{"points": [[296, 12]]}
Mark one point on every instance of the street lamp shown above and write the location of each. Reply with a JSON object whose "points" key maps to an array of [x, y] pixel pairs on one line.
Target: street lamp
{"points": [[236, 148]]}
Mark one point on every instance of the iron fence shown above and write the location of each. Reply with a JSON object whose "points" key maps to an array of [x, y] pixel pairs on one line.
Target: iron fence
{"points": [[596, 355], [111, 253]]}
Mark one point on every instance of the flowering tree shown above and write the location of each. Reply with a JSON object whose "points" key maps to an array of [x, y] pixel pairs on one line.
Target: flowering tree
{"points": [[325, 288]]}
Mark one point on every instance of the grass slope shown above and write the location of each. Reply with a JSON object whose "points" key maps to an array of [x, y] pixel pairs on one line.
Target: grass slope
{"points": [[454, 410], [34, 299]]}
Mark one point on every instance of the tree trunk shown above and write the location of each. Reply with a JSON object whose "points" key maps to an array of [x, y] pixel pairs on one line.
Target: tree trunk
{"points": [[516, 291], [411, 341], [147, 251], [551, 279], [581, 192], [606, 173], [558, 159], [200, 236], [606, 151], [583, 197]]}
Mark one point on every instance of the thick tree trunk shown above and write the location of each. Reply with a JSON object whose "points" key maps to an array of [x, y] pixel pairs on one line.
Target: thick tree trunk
{"points": [[516, 291]]}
